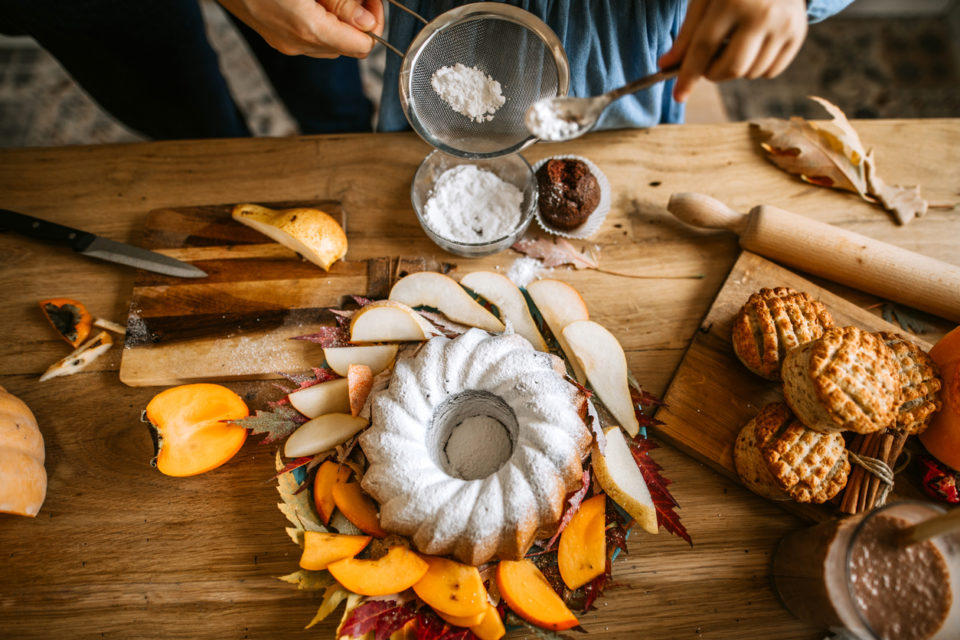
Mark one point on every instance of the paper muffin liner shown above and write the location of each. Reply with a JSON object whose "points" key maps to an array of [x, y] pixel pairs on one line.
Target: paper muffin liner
{"points": [[595, 219]]}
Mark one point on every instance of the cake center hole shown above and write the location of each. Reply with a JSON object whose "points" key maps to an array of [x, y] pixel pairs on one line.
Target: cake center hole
{"points": [[473, 435]]}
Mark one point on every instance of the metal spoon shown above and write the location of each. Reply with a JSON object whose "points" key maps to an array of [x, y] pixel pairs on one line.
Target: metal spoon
{"points": [[562, 119]]}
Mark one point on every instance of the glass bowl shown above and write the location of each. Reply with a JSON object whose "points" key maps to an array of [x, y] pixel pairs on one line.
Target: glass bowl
{"points": [[511, 168]]}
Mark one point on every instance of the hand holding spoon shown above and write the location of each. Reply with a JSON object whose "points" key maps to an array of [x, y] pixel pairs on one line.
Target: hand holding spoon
{"points": [[562, 119]]}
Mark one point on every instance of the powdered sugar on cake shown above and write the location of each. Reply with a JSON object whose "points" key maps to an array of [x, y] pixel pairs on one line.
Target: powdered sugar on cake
{"points": [[470, 204], [468, 91]]}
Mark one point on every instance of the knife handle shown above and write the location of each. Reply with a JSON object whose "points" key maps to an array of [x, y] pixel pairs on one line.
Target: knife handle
{"points": [[44, 229]]}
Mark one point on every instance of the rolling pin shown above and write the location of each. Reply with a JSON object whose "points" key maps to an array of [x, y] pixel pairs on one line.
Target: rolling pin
{"points": [[833, 253]]}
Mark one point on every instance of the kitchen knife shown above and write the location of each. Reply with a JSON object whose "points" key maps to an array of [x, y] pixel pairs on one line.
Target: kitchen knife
{"points": [[92, 245]]}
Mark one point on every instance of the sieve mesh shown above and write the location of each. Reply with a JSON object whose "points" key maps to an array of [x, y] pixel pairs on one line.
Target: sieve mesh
{"points": [[511, 46]]}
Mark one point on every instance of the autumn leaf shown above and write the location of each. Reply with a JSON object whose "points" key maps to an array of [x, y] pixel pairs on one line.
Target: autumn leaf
{"points": [[332, 597], [657, 484], [909, 319], [557, 252], [277, 423], [382, 617], [431, 627], [642, 402], [328, 336], [573, 505], [309, 580], [830, 154], [297, 505]]}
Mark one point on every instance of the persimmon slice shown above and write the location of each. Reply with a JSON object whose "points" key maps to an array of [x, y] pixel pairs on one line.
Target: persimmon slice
{"points": [[192, 428], [358, 508], [582, 553], [461, 621], [454, 589], [491, 627], [320, 549], [531, 597], [69, 317], [400, 569], [328, 474]]}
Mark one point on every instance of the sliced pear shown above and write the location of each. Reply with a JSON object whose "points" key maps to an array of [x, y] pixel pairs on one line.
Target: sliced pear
{"points": [[312, 233], [376, 356], [560, 304], [501, 291], [601, 357], [359, 384], [622, 480], [326, 397], [322, 434], [389, 321], [431, 289]]}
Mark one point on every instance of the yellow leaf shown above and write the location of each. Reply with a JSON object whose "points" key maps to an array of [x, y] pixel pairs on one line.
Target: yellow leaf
{"points": [[309, 580], [297, 507], [332, 597]]}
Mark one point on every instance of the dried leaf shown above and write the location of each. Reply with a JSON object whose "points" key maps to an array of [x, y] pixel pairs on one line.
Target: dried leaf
{"points": [[830, 154], [328, 336], [332, 597], [573, 505], [657, 484], [907, 318], [276, 424], [445, 325], [382, 617], [309, 580], [297, 506], [555, 253], [431, 627]]}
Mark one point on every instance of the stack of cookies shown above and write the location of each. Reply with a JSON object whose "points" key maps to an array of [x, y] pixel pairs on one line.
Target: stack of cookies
{"points": [[838, 382]]}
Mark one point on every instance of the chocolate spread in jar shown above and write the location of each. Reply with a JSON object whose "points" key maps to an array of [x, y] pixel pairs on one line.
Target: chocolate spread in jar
{"points": [[902, 592]]}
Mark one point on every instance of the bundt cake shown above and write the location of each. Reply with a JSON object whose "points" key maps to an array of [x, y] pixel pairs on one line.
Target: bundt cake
{"points": [[474, 445]]}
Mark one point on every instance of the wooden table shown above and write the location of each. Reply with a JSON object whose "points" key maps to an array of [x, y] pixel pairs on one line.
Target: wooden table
{"points": [[121, 551]]}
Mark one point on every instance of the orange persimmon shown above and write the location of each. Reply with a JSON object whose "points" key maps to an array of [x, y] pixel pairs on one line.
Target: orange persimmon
{"points": [[358, 508], [400, 569], [531, 597], [942, 437], [328, 474], [491, 627], [461, 621], [321, 548], [69, 317], [582, 553], [193, 429], [454, 589]]}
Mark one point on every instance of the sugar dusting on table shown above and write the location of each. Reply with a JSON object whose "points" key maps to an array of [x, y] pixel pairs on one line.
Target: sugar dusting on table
{"points": [[468, 91], [470, 204], [524, 270]]}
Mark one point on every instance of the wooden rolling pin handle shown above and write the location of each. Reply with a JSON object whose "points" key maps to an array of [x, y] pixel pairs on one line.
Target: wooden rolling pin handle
{"points": [[834, 253]]}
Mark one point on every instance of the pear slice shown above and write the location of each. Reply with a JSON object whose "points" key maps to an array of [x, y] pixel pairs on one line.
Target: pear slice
{"points": [[389, 321], [376, 356], [622, 480], [601, 357], [431, 289], [312, 233], [322, 434], [501, 291], [326, 397], [560, 304]]}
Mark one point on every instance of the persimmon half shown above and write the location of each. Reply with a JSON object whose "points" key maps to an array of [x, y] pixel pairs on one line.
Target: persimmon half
{"points": [[193, 429]]}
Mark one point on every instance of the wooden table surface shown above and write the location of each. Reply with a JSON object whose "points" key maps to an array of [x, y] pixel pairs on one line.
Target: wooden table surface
{"points": [[121, 551]]}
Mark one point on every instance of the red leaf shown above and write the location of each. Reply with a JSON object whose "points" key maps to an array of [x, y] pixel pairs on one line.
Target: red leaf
{"points": [[383, 617], [573, 500], [431, 627], [276, 424], [361, 300], [328, 336], [293, 464], [657, 484], [642, 399], [594, 588]]}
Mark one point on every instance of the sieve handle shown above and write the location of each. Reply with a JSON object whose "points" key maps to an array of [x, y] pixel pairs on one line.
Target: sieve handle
{"points": [[416, 15], [386, 44]]}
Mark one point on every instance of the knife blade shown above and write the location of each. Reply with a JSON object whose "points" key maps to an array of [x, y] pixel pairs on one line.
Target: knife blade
{"points": [[90, 244]]}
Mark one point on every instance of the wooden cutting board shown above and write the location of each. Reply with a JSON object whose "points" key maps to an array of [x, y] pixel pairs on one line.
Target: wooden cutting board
{"points": [[237, 323], [712, 395]]}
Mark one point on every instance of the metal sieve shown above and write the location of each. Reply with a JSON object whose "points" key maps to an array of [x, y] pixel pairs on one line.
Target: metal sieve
{"points": [[510, 45]]}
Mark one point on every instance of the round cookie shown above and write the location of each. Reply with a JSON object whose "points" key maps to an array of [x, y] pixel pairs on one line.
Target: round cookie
{"points": [[568, 193], [847, 380], [772, 322], [920, 384]]}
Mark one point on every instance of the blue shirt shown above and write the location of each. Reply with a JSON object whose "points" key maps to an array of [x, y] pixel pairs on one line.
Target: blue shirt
{"points": [[608, 43]]}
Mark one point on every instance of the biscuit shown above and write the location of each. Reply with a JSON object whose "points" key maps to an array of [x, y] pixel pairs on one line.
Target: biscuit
{"points": [[847, 380], [779, 458], [920, 384], [772, 322]]}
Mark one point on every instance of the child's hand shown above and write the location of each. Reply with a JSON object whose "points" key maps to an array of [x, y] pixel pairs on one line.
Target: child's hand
{"points": [[726, 39]]}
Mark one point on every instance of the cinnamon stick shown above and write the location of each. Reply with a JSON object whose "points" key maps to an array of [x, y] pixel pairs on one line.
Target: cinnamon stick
{"points": [[886, 444], [848, 503], [870, 450]]}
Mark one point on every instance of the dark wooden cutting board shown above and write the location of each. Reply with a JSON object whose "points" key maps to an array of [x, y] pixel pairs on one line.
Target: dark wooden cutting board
{"points": [[237, 323], [712, 395]]}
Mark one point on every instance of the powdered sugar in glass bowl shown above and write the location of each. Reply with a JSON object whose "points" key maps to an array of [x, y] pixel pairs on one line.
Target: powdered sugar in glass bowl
{"points": [[474, 207]]}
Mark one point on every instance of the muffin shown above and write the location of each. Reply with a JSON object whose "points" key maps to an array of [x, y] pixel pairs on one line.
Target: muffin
{"points": [[568, 193], [848, 380], [772, 322], [779, 458], [920, 384]]}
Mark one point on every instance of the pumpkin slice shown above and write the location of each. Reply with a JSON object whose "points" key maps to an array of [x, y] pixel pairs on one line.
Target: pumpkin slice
{"points": [[491, 627], [193, 429], [582, 553], [328, 474], [400, 569], [453, 588], [69, 317], [358, 508], [528, 593], [320, 549]]}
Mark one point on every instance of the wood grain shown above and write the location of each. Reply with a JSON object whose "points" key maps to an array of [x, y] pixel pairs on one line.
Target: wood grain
{"points": [[121, 551]]}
